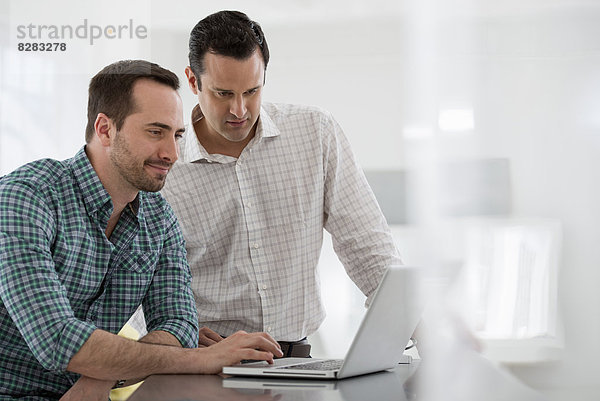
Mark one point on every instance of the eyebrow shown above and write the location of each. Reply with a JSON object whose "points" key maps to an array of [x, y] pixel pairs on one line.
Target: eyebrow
{"points": [[216, 89], [164, 126]]}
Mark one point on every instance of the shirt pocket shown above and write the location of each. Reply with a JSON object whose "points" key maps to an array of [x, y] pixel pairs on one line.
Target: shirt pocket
{"points": [[128, 285], [142, 263], [135, 273]]}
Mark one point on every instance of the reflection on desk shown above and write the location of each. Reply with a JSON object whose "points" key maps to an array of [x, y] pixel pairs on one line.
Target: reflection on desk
{"points": [[470, 377], [377, 386]]}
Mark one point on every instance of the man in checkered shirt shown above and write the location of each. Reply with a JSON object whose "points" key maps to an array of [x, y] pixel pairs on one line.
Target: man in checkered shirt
{"points": [[256, 185], [84, 241]]}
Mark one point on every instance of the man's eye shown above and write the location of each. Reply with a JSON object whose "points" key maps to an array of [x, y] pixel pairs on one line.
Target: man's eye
{"points": [[155, 132], [178, 136], [223, 94]]}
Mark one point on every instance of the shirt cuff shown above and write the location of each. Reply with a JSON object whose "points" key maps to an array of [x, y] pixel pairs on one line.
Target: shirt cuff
{"points": [[72, 337], [186, 334]]}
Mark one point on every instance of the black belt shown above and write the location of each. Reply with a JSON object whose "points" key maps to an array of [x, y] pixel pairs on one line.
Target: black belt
{"points": [[296, 349]]}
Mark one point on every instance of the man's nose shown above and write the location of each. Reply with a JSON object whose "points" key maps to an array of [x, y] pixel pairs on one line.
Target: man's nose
{"points": [[238, 106]]}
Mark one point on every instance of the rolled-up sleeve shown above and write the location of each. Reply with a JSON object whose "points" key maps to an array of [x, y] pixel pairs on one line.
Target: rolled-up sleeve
{"points": [[30, 288], [169, 304]]}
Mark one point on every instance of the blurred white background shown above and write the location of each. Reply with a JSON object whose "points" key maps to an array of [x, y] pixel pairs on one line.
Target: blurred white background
{"points": [[481, 116]]}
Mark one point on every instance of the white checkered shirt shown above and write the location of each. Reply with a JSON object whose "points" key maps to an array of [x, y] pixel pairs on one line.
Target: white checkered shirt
{"points": [[254, 225]]}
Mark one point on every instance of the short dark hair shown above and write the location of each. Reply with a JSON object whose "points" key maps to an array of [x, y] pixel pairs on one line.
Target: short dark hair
{"points": [[110, 90], [227, 33]]}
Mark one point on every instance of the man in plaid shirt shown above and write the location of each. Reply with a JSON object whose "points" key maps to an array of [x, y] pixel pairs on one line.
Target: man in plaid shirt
{"points": [[85, 241]]}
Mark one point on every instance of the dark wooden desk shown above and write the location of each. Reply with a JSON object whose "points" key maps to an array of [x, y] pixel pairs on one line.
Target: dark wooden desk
{"points": [[378, 386], [468, 377]]}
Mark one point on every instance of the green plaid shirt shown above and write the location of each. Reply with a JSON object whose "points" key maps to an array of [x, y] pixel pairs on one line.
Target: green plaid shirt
{"points": [[61, 278]]}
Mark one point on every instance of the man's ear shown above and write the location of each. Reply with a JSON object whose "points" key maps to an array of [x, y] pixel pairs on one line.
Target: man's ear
{"points": [[192, 80], [105, 128]]}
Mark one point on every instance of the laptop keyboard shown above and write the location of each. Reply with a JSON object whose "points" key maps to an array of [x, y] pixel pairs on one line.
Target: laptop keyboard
{"points": [[329, 364]]}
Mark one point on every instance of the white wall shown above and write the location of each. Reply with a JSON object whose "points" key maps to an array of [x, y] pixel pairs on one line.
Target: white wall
{"points": [[529, 70], [530, 73]]}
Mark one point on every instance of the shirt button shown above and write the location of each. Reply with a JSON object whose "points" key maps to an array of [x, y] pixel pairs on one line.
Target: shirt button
{"points": [[264, 286], [269, 329], [256, 246], [249, 204]]}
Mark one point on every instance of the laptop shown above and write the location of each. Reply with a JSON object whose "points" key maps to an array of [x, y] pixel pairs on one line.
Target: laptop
{"points": [[378, 344]]}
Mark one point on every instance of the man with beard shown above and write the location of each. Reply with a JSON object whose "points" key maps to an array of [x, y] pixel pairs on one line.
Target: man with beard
{"points": [[85, 241]]}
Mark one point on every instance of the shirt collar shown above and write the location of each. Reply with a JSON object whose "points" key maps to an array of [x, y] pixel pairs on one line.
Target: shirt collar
{"points": [[193, 151], [95, 196]]}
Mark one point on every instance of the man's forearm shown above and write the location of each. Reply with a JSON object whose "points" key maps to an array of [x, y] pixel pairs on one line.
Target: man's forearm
{"points": [[155, 337], [161, 337], [107, 356], [87, 385], [88, 389]]}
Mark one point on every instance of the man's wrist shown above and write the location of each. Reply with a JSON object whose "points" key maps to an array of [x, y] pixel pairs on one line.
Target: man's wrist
{"points": [[120, 383]]}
